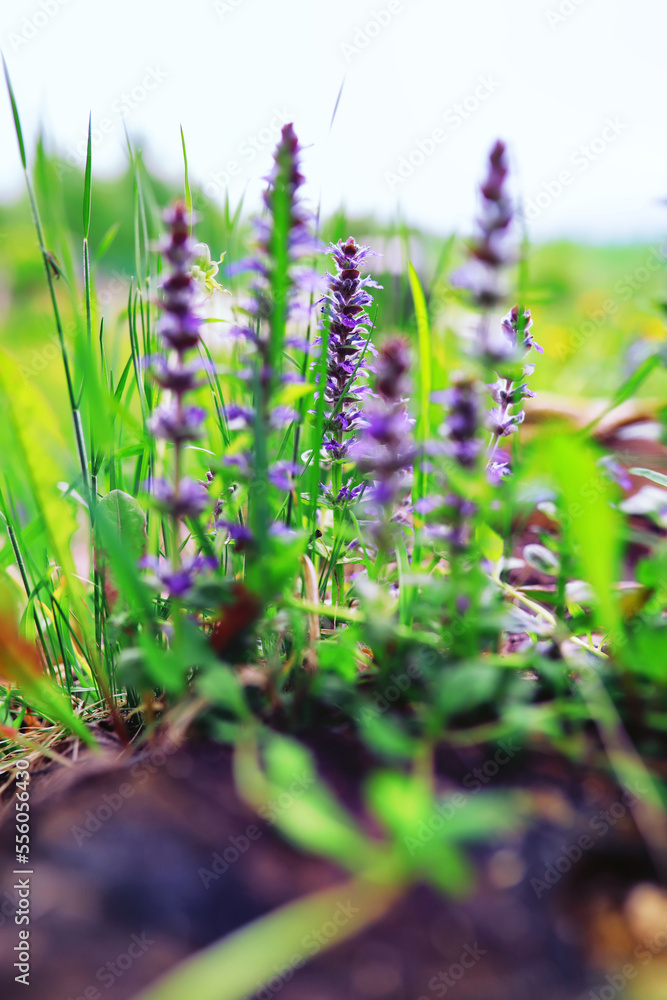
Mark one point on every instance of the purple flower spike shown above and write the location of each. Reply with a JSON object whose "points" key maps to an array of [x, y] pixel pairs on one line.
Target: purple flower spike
{"points": [[504, 419], [174, 419], [461, 427], [285, 178], [178, 580], [282, 475], [489, 251], [517, 329], [176, 423], [188, 499], [345, 307], [240, 534], [385, 448]]}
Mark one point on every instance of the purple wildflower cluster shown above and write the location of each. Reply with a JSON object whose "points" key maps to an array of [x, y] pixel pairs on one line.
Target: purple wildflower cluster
{"points": [[384, 449], [508, 392], [280, 296], [490, 251], [175, 420], [462, 446], [345, 306], [178, 329], [284, 183], [461, 427]]}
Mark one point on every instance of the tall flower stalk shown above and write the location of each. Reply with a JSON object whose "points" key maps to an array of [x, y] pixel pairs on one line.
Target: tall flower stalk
{"points": [[508, 392], [490, 251], [282, 279], [175, 420], [385, 448], [462, 448], [345, 308]]}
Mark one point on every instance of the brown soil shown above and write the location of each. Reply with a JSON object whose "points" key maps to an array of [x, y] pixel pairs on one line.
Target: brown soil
{"points": [[136, 873]]}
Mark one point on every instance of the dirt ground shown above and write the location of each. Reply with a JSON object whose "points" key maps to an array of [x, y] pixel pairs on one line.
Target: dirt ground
{"points": [[129, 880]]}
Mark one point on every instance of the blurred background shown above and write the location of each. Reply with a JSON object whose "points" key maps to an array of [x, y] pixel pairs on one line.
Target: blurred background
{"points": [[398, 103], [571, 85]]}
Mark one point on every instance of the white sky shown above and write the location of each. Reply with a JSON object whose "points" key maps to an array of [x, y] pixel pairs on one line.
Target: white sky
{"points": [[228, 70]]}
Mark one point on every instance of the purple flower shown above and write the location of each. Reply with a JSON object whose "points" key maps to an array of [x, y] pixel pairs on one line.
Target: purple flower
{"points": [[462, 446], [489, 251], [616, 472], [345, 308], [177, 423], [517, 328], [281, 416], [174, 419], [384, 448], [238, 533], [504, 419], [281, 197], [239, 416], [187, 499], [348, 493], [176, 376], [461, 427], [282, 475], [178, 580]]}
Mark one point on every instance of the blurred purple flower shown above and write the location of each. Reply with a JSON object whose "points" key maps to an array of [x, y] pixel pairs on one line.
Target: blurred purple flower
{"points": [[178, 580], [385, 449]]}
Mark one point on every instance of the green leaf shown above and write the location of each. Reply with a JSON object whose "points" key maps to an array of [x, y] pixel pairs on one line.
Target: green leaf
{"points": [[15, 113], [592, 528], [125, 520], [87, 188], [314, 820], [401, 801], [655, 477], [236, 967]]}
